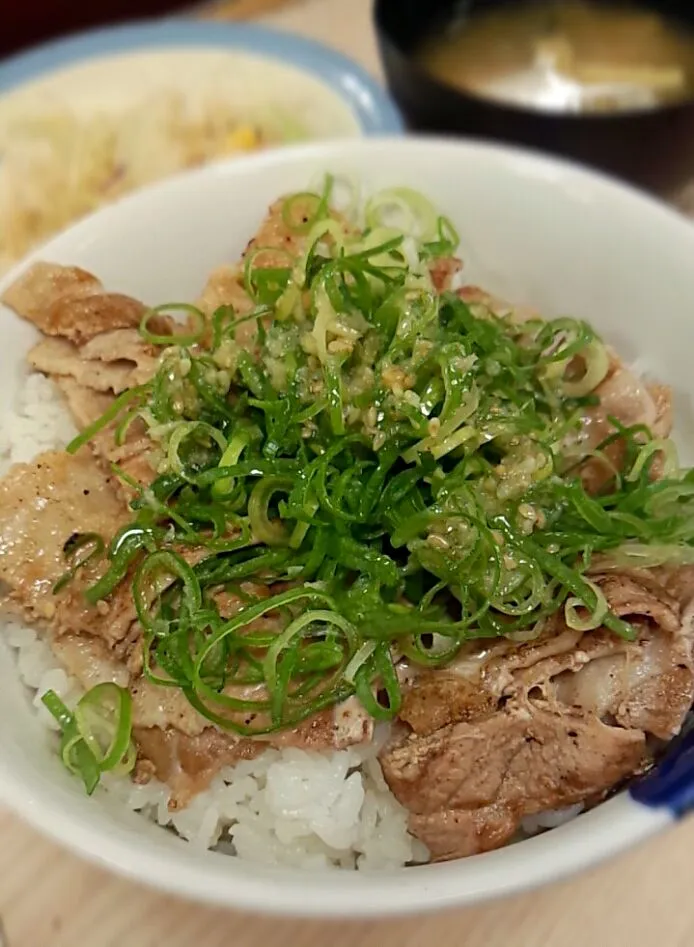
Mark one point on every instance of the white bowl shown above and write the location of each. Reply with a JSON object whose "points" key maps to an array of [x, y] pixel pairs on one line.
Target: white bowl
{"points": [[534, 230]]}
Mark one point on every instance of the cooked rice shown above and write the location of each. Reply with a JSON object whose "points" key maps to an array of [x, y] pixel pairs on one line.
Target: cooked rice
{"points": [[37, 422]]}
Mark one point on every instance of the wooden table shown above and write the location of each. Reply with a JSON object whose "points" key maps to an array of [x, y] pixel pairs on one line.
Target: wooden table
{"points": [[51, 899]]}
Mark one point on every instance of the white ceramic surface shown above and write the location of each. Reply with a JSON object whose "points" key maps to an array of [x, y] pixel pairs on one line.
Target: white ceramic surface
{"points": [[532, 229]]}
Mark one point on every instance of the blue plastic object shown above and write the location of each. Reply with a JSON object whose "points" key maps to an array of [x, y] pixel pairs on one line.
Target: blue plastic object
{"points": [[670, 785]]}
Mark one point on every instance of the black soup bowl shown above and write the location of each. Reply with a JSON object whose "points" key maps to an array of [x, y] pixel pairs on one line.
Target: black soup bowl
{"points": [[653, 148]]}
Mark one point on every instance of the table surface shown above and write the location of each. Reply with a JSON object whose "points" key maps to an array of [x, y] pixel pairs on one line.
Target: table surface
{"points": [[49, 898]]}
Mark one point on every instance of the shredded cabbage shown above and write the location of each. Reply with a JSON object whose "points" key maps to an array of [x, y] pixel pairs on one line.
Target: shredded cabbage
{"points": [[58, 166]]}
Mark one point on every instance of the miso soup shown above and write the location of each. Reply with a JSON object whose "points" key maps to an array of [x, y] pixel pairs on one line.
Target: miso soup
{"points": [[573, 56]]}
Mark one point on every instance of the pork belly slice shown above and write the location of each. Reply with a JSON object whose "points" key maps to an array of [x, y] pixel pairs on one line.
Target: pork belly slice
{"points": [[631, 401], [134, 456], [69, 302], [512, 730], [468, 785], [187, 764], [42, 505], [111, 362]]}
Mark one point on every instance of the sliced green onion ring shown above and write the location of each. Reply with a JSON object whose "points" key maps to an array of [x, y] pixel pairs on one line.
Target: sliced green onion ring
{"points": [[311, 208], [79, 550], [104, 721], [182, 338], [96, 738], [664, 446], [265, 530], [182, 432], [265, 284], [597, 365], [597, 612], [418, 216]]}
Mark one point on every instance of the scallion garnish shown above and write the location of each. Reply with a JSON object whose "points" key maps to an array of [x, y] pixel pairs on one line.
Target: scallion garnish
{"points": [[96, 738], [383, 467]]}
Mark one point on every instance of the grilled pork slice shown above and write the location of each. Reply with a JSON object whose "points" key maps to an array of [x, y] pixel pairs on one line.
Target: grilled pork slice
{"points": [[629, 400], [110, 362], [175, 742], [468, 785], [134, 457], [92, 350], [42, 505], [187, 764], [67, 301], [510, 731]]}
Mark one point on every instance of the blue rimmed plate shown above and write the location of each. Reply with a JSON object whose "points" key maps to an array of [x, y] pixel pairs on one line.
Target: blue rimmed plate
{"points": [[350, 87]]}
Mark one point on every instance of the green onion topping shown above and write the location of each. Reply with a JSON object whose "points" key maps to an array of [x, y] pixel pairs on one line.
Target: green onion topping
{"points": [[96, 738], [383, 471]]}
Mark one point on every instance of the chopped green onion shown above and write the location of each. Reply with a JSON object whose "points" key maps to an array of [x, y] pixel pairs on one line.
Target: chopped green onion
{"points": [[265, 530], [596, 615], [597, 364], [415, 214], [393, 471], [96, 738], [175, 338], [79, 550], [104, 721], [185, 430], [265, 284], [111, 413], [666, 448]]}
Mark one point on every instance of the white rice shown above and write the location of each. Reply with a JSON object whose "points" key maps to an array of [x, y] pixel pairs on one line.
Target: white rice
{"points": [[534, 824], [37, 422], [289, 807]]}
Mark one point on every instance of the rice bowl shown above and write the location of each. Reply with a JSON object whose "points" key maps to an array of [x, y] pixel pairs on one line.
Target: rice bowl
{"points": [[525, 267]]}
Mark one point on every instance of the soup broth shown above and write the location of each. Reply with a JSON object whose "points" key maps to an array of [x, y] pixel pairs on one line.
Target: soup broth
{"points": [[567, 56]]}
